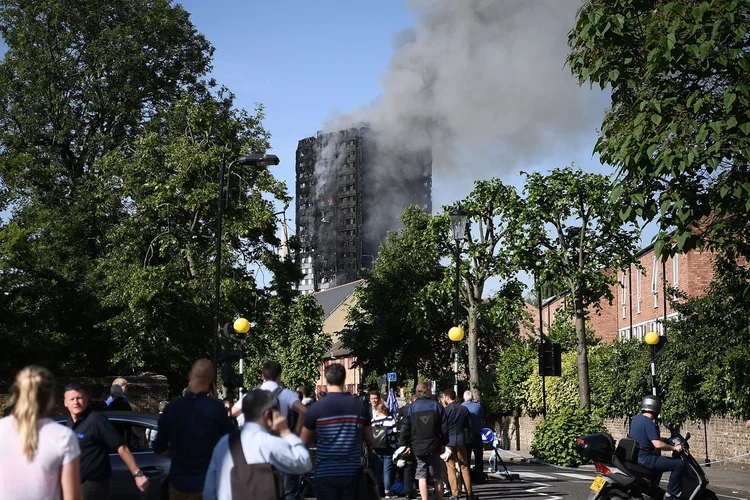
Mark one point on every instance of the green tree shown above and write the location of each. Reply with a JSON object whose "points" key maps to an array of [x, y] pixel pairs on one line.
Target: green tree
{"points": [[77, 81], [158, 271], [570, 232], [403, 308], [677, 129], [703, 371], [491, 207]]}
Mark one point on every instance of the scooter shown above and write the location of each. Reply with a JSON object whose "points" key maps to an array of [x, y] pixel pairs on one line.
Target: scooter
{"points": [[622, 478]]}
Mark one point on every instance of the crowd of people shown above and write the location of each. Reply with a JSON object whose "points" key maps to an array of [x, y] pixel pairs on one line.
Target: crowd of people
{"points": [[261, 447]]}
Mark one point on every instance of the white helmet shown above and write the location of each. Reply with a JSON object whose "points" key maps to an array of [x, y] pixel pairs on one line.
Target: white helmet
{"points": [[401, 458]]}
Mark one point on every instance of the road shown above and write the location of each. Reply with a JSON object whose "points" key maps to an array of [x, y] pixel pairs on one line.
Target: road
{"points": [[548, 483]]}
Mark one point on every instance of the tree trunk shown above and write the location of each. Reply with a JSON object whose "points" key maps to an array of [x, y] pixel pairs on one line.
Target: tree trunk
{"points": [[583, 361], [473, 357]]}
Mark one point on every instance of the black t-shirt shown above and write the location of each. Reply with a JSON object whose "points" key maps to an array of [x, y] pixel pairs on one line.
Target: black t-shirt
{"points": [[119, 404], [97, 438]]}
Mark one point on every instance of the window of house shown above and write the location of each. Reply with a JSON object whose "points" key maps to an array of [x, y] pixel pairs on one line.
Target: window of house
{"points": [[655, 282], [638, 291]]}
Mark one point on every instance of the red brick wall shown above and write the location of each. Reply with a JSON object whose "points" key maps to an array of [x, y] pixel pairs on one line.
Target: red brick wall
{"points": [[694, 273]]}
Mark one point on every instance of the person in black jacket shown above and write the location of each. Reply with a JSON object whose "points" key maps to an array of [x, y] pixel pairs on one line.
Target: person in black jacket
{"points": [[425, 432], [459, 438], [410, 468]]}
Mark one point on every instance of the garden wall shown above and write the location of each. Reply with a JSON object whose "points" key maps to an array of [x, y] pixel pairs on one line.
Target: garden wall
{"points": [[726, 437]]}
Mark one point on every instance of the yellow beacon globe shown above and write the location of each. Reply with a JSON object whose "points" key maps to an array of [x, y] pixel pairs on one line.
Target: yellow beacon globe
{"points": [[456, 334], [652, 338], [241, 325]]}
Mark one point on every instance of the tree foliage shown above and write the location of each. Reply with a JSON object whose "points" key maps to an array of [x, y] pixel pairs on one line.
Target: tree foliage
{"points": [[678, 128], [403, 308], [111, 138], [490, 254], [569, 232]]}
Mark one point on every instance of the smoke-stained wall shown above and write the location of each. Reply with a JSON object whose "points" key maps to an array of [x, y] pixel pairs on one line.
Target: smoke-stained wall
{"points": [[350, 193]]}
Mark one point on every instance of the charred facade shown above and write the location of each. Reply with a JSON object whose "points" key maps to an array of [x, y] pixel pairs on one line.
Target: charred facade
{"points": [[349, 195]]}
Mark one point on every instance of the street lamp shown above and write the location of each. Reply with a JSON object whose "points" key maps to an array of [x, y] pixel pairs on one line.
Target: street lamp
{"points": [[652, 339], [459, 220], [242, 326], [246, 160]]}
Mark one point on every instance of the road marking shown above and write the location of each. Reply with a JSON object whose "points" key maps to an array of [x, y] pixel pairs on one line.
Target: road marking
{"points": [[532, 475], [574, 476], [727, 496]]}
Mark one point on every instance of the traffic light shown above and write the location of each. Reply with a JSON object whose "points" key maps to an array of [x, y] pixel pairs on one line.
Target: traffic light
{"points": [[550, 361]]}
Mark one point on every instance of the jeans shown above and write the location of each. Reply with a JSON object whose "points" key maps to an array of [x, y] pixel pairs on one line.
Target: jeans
{"points": [[382, 463], [477, 448], [292, 487], [665, 464], [336, 488]]}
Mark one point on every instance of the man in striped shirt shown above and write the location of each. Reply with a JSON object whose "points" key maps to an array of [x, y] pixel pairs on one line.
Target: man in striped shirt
{"points": [[338, 423]]}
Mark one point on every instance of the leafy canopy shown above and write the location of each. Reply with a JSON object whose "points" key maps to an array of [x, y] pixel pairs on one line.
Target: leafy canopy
{"points": [[678, 129]]}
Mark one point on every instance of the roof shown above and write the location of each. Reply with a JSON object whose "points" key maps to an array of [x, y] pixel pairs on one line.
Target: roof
{"points": [[331, 299], [337, 351]]}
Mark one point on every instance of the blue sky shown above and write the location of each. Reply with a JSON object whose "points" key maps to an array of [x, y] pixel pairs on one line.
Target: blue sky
{"points": [[302, 60]]}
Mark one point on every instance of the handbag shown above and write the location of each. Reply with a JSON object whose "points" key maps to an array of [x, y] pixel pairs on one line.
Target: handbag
{"points": [[367, 485]]}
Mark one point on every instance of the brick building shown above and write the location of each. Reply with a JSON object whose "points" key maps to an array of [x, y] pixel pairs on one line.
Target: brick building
{"points": [[349, 195], [641, 299]]}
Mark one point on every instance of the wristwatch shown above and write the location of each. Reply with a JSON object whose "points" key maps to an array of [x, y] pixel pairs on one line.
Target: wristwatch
{"points": [[139, 473]]}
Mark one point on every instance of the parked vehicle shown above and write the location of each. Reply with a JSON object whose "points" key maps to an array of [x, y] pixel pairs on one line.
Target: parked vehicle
{"points": [[139, 431], [622, 478]]}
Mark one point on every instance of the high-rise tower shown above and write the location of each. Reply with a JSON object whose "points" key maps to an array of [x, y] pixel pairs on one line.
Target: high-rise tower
{"points": [[349, 195]]}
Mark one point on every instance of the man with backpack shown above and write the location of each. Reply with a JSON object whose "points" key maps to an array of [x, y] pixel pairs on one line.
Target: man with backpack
{"points": [[290, 407], [425, 432], [249, 462]]}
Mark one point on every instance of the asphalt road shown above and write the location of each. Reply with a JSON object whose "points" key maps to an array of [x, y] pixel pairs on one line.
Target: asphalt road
{"points": [[548, 483]]}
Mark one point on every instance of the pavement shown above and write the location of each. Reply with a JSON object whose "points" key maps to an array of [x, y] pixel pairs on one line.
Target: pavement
{"points": [[730, 482]]}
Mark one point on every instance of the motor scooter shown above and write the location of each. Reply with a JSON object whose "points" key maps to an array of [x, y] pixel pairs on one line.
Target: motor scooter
{"points": [[621, 477]]}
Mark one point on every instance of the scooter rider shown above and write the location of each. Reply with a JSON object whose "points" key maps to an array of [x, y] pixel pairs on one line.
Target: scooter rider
{"points": [[645, 431]]}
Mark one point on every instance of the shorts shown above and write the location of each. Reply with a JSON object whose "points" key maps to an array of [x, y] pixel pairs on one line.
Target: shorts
{"points": [[429, 467]]}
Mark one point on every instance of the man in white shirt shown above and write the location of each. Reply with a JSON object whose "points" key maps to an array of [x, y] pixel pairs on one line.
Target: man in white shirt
{"points": [[286, 452], [288, 399]]}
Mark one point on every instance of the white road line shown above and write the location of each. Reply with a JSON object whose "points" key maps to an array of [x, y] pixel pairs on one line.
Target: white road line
{"points": [[727, 496], [532, 475], [574, 476]]}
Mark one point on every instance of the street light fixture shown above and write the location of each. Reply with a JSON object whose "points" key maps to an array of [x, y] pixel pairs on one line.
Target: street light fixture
{"points": [[259, 161], [652, 339], [242, 326], [459, 220]]}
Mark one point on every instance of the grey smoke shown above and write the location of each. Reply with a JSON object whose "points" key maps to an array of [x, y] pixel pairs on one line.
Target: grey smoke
{"points": [[483, 85]]}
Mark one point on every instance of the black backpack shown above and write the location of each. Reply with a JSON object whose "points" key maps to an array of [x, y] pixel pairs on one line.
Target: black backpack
{"points": [[256, 481], [292, 416]]}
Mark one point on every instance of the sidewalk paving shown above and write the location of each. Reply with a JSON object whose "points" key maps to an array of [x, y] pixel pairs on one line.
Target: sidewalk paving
{"points": [[733, 479]]}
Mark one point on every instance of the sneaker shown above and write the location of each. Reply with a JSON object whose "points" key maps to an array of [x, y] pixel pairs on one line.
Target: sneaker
{"points": [[388, 494]]}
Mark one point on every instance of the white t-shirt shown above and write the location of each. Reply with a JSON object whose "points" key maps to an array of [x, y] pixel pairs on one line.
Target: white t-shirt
{"points": [[40, 478], [286, 398]]}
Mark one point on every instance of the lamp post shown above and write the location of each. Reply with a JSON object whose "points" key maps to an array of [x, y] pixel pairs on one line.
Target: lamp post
{"points": [[247, 160], [652, 339], [242, 326], [459, 220]]}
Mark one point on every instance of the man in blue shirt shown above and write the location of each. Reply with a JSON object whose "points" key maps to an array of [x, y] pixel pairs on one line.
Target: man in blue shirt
{"points": [[339, 423], [476, 413], [645, 431], [189, 429], [285, 452]]}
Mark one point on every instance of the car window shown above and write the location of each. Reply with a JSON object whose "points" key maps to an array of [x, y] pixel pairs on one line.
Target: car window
{"points": [[138, 438]]}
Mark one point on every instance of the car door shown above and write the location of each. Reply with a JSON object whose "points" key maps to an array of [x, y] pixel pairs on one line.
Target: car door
{"points": [[138, 437]]}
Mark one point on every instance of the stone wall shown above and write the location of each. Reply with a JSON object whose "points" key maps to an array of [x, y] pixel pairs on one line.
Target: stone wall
{"points": [[144, 391], [726, 437]]}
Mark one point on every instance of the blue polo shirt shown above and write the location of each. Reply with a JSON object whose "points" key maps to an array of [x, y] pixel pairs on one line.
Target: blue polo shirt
{"points": [[644, 430], [190, 427]]}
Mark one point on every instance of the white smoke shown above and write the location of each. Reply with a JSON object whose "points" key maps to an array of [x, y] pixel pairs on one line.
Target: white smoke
{"points": [[483, 85]]}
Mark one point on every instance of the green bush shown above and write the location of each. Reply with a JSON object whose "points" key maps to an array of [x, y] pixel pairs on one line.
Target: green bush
{"points": [[562, 392], [555, 436], [514, 366]]}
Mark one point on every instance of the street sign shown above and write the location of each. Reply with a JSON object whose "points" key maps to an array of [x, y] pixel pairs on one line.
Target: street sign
{"points": [[392, 377], [487, 435]]}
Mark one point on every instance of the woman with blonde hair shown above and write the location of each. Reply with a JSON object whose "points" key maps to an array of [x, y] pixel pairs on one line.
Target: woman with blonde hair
{"points": [[39, 457]]}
